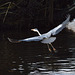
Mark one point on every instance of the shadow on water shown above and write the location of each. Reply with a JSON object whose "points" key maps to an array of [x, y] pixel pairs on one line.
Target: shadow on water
{"points": [[33, 58]]}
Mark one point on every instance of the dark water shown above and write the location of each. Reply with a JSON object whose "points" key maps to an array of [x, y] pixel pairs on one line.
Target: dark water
{"points": [[33, 58]]}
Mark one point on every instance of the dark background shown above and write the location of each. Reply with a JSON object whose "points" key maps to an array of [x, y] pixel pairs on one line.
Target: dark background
{"points": [[26, 14], [17, 17]]}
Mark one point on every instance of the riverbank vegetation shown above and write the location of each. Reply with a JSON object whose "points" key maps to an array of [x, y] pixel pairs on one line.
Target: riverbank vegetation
{"points": [[27, 14]]}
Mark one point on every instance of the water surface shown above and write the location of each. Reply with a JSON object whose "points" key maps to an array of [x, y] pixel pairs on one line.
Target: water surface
{"points": [[33, 58]]}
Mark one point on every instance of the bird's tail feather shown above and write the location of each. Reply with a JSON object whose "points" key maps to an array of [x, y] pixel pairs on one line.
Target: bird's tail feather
{"points": [[49, 40], [14, 40]]}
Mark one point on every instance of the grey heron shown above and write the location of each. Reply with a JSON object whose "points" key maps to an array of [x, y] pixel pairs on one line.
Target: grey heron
{"points": [[46, 37], [46, 40]]}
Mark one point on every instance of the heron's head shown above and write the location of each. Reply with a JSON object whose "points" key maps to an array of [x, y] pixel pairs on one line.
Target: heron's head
{"points": [[35, 30]]}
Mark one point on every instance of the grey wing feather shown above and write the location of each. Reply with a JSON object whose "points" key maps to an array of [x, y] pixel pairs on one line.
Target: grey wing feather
{"points": [[36, 38], [13, 40], [60, 27]]}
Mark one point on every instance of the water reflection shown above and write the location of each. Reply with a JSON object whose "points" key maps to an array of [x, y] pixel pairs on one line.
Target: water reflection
{"points": [[34, 58]]}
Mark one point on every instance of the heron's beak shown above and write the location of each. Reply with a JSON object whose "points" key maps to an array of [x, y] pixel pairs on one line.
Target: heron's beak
{"points": [[32, 29]]}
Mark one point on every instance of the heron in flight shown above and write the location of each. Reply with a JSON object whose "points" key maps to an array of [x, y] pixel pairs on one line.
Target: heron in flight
{"points": [[46, 37], [49, 41]]}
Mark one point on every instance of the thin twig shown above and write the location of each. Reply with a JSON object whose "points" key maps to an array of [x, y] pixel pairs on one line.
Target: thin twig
{"points": [[15, 5], [6, 12], [5, 4]]}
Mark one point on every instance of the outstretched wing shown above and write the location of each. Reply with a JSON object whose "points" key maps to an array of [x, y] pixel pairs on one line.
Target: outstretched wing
{"points": [[36, 38], [60, 27]]}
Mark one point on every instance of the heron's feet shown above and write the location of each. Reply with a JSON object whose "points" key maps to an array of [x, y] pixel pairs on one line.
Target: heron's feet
{"points": [[54, 49], [50, 50]]}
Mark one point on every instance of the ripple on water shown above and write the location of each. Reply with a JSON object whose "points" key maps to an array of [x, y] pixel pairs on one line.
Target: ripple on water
{"points": [[13, 69], [42, 69], [51, 73]]}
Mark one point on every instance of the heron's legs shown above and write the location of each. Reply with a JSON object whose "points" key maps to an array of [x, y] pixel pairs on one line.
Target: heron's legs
{"points": [[49, 47], [52, 47]]}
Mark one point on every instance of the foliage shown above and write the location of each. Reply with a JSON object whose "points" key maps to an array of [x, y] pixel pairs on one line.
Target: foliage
{"points": [[33, 12]]}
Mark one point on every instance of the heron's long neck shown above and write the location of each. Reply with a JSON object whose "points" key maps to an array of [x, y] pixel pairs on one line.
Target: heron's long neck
{"points": [[38, 33]]}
